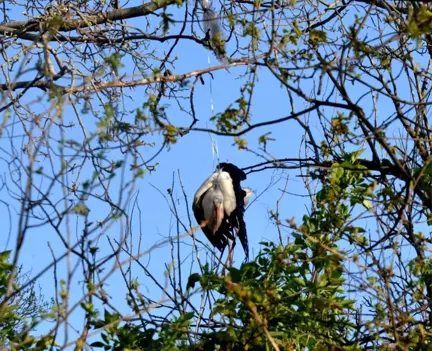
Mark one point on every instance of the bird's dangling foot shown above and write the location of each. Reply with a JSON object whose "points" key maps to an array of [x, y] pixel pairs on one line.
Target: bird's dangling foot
{"points": [[230, 258], [221, 263]]}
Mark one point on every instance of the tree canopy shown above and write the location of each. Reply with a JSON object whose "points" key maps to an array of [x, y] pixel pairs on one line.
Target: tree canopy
{"points": [[95, 94]]}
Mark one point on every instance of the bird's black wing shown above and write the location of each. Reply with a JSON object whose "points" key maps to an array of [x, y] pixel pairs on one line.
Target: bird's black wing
{"points": [[242, 233], [237, 222], [236, 218]]}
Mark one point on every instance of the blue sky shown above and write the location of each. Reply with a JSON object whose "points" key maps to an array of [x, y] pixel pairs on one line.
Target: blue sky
{"points": [[193, 157]]}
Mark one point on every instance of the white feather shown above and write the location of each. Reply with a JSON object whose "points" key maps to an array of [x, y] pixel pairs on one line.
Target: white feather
{"points": [[212, 200], [225, 182], [249, 193], [208, 183], [218, 185], [206, 4]]}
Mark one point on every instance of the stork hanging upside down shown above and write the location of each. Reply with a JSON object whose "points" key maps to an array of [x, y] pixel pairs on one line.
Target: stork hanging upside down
{"points": [[219, 206]]}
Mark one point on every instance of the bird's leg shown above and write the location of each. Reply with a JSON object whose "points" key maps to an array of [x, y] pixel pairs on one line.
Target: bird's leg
{"points": [[226, 264], [229, 261], [229, 258], [221, 262], [232, 253]]}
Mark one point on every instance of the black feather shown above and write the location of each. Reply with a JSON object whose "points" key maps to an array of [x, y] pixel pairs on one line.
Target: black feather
{"points": [[235, 172], [233, 224], [236, 219]]}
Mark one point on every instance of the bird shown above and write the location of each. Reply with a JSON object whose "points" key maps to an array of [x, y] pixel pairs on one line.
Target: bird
{"points": [[219, 205]]}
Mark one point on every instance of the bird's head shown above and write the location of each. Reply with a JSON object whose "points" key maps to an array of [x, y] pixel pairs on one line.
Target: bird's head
{"points": [[213, 206]]}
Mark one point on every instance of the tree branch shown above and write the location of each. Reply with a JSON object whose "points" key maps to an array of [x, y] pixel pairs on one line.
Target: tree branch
{"points": [[116, 15], [45, 84]]}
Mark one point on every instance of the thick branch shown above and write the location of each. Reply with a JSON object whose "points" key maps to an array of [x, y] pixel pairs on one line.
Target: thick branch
{"points": [[116, 15], [384, 166], [45, 84]]}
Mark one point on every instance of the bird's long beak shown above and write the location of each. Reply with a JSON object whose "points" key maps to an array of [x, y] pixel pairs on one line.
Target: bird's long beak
{"points": [[218, 217]]}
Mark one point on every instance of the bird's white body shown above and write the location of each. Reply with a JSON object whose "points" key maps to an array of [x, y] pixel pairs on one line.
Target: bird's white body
{"points": [[218, 206], [213, 208], [218, 199]]}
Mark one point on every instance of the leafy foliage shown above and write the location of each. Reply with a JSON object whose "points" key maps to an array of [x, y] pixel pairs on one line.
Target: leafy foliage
{"points": [[94, 93], [22, 313]]}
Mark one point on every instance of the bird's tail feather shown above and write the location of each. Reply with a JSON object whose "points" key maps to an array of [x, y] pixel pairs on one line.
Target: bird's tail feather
{"points": [[242, 235]]}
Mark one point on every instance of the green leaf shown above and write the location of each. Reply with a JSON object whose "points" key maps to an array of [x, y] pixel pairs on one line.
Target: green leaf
{"points": [[336, 172], [189, 315], [317, 37], [114, 61], [367, 204], [4, 255], [97, 344], [192, 280], [81, 210], [235, 274]]}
